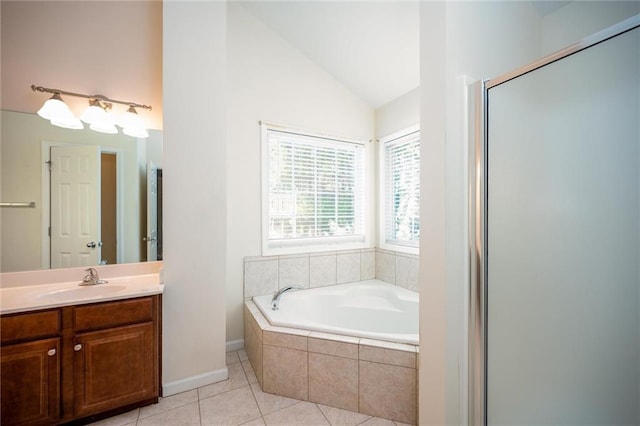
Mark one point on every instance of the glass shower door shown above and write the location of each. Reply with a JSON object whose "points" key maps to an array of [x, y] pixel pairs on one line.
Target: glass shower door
{"points": [[563, 241]]}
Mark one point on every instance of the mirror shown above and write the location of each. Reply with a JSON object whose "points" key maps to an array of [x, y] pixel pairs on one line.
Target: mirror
{"points": [[112, 224]]}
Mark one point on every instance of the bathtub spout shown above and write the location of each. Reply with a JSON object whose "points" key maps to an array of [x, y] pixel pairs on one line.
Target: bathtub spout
{"points": [[276, 297]]}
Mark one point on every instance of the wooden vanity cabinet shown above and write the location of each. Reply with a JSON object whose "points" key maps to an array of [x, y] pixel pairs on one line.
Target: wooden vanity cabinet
{"points": [[30, 382], [30, 363], [79, 362], [116, 355]]}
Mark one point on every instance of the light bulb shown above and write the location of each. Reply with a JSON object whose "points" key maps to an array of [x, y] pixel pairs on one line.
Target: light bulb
{"points": [[132, 124], [55, 109], [68, 123], [104, 127], [94, 113], [136, 132], [128, 118]]}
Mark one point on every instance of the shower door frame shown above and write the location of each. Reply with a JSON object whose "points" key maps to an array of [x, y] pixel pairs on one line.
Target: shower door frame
{"points": [[478, 108]]}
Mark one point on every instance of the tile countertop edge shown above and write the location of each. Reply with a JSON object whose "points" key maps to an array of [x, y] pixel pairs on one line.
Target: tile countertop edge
{"points": [[30, 298]]}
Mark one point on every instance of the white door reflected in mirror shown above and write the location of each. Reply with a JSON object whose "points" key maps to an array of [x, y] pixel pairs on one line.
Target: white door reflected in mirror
{"points": [[75, 206]]}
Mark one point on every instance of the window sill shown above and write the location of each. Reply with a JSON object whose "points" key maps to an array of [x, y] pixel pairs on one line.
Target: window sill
{"points": [[314, 248], [400, 248]]}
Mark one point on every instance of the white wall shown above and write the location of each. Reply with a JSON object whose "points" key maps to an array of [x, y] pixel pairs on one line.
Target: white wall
{"points": [[580, 19], [432, 375], [478, 39], [272, 81], [22, 168], [195, 140], [398, 114]]}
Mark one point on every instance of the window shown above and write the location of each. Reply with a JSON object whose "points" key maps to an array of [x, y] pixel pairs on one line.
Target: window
{"points": [[400, 191], [313, 192]]}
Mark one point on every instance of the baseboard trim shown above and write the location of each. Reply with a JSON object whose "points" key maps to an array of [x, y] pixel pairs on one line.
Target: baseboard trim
{"points": [[194, 382], [235, 345]]}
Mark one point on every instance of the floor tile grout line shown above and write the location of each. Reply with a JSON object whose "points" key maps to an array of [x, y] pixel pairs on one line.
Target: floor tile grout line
{"points": [[323, 415], [250, 390], [364, 421], [256, 399], [226, 391]]}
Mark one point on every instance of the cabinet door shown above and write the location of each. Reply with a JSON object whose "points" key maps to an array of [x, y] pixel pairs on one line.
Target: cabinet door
{"points": [[113, 368], [30, 382]]}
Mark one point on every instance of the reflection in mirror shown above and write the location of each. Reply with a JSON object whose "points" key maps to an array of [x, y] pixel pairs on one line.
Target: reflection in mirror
{"points": [[90, 192]]}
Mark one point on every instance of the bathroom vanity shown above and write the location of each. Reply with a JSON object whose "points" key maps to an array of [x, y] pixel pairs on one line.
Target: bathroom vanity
{"points": [[87, 356]]}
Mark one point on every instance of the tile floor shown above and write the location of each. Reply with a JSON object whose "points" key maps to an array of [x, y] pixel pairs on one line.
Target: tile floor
{"points": [[239, 401]]}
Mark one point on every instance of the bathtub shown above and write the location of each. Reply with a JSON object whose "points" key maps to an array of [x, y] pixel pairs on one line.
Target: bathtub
{"points": [[369, 309]]}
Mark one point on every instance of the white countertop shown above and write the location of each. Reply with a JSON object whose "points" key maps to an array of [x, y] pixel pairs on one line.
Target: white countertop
{"points": [[32, 297]]}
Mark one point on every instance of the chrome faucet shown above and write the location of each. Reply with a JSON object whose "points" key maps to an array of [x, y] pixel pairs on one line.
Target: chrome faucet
{"points": [[92, 278], [278, 294]]}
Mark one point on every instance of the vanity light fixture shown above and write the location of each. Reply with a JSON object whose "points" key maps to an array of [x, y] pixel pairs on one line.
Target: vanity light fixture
{"points": [[132, 124], [97, 118], [58, 113], [96, 115]]}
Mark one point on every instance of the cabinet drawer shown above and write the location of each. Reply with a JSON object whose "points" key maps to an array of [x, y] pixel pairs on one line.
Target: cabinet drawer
{"points": [[113, 314], [30, 326]]}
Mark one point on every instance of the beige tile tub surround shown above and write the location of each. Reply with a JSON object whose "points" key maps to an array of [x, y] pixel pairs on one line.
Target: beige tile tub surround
{"points": [[388, 391], [285, 372], [333, 381], [265, 275], [293, 270], [367, 376], [397, 268], [367, 265], [348, 267]]}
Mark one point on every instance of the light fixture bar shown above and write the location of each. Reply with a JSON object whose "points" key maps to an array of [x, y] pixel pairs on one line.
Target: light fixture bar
{"points": [[81, 95]]}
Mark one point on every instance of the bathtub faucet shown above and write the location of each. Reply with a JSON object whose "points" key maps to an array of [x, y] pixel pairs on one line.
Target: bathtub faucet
{"points": [[276, 297]]}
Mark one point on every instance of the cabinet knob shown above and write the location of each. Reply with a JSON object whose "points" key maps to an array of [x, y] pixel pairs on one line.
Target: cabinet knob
{"points": [[51, 352], [77, 347]]}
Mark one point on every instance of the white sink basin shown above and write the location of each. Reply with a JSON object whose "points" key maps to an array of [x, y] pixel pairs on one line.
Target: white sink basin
{"points": [[80, 292]]}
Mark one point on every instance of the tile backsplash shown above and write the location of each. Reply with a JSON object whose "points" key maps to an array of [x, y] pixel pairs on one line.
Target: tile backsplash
{"points": [[265, 275]]}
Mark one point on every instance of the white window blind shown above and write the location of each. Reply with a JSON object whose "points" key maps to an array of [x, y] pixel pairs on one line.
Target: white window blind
{"points": [[402, 190], [314, 191]]}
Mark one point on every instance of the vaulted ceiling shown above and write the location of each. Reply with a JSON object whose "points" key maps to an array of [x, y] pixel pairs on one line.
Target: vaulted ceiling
{"points": [[371, 47]]}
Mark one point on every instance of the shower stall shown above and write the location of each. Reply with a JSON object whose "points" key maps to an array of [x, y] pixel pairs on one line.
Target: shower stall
{"points": [[555, 238]]}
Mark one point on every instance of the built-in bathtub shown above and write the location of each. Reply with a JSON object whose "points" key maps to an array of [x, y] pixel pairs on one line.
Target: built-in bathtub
{"points": [[371, 309], [350, 346]]}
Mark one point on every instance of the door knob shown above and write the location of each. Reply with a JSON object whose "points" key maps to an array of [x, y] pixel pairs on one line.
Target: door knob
{"points": [[77, 347], [93, 244], [51, 352]]}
